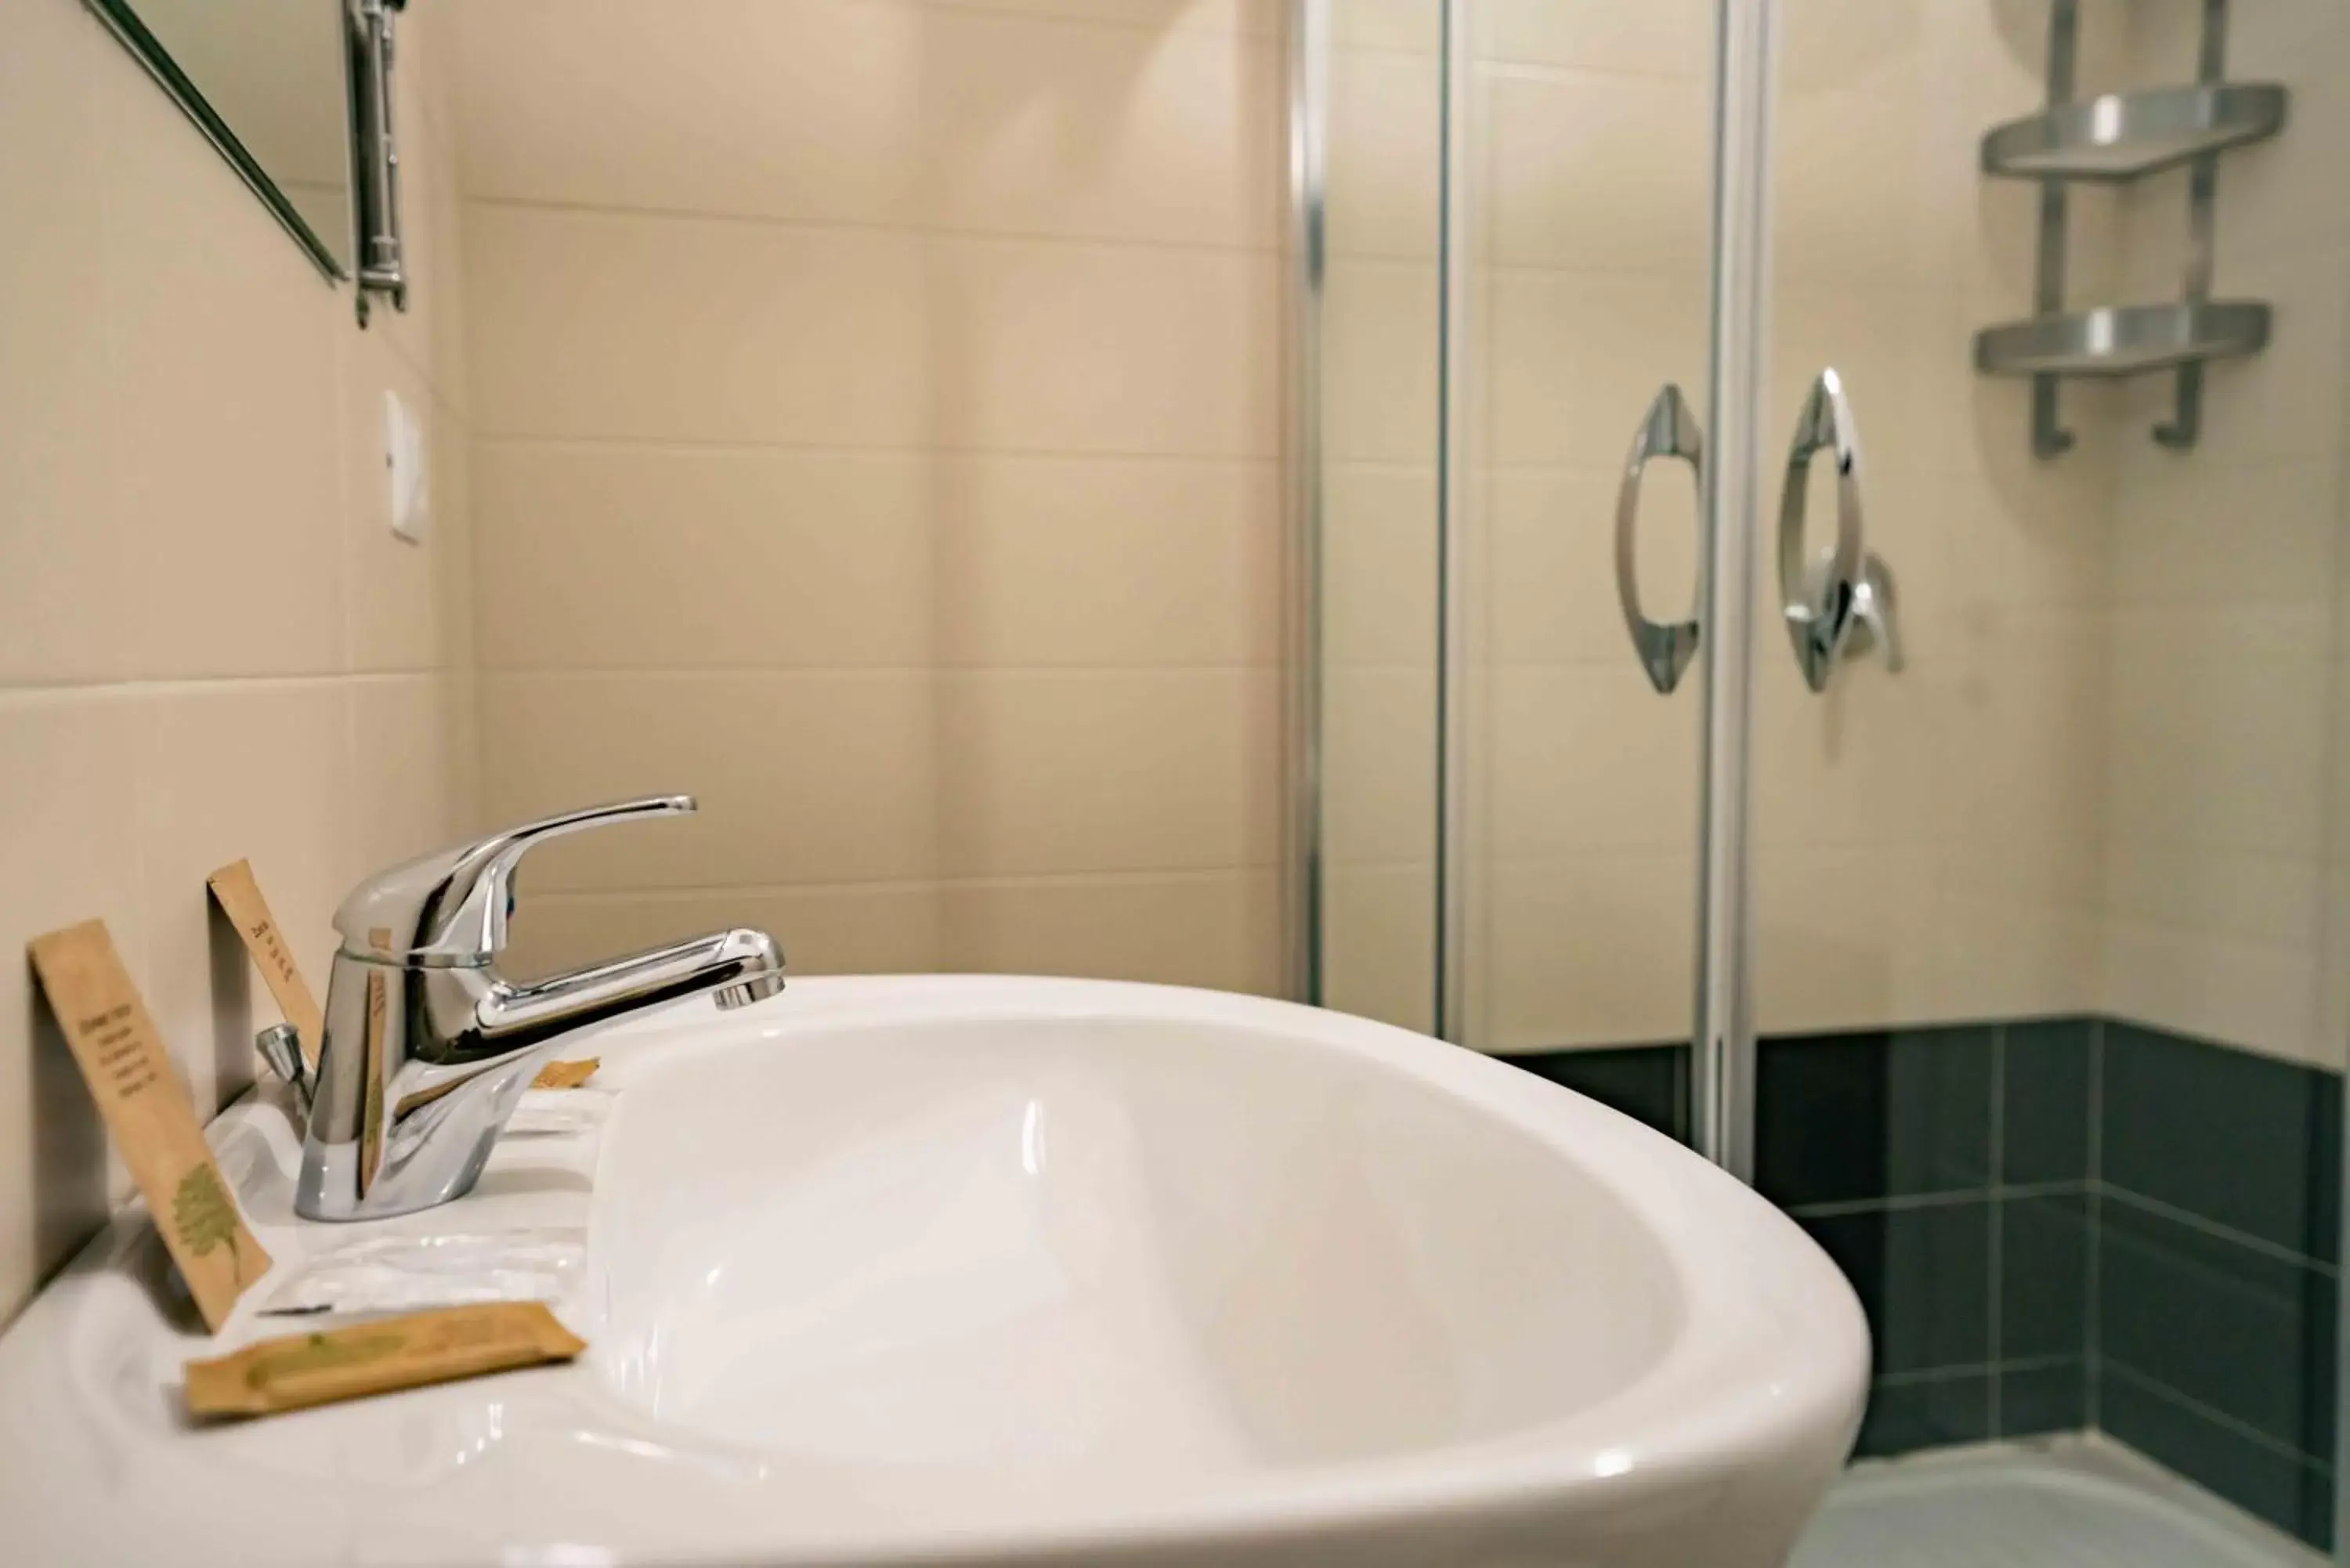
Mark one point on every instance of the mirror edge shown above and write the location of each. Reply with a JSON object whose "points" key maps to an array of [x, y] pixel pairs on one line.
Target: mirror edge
{"points": [[125, 25]]}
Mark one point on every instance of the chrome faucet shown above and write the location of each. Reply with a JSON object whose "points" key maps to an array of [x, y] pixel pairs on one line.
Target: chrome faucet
{"points": [[427, 1050]]}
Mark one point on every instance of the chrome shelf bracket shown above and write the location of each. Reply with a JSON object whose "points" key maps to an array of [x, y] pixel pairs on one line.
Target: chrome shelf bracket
{"points": [[2186, 423], [2049, 437]]}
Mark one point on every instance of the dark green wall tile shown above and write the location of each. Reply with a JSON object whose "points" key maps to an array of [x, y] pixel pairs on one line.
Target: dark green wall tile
{"points": [[1925, 1413], [2287, 1491], [1848, 1117], [1922, 1274], [2035, 1399], [2044, 1100], [2044, 1277], [2247, 1141], [2243, 1333], [1647, 1083]]}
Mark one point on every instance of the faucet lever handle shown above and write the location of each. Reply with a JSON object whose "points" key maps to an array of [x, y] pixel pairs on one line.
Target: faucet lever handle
{"points": [[450, 908]]}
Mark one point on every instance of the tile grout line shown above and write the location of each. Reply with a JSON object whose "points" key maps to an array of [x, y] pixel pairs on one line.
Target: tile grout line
{"points": [[1903, 1203], [918, 232], [1994, 1265], [925, 451], [2189, 1221], [2092, 1331], [1991, 1369], [2220, 1418]]}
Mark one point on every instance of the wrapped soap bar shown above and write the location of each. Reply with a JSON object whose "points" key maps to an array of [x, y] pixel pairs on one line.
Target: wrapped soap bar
{"points": [[300, 1370]]}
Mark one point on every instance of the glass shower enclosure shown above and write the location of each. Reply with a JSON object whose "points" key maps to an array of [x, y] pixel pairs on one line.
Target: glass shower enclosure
{"points": [[1822, 539]]}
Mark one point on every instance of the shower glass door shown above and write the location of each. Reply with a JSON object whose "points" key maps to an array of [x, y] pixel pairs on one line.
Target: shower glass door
{"points": [[1515, 294], [1978, 858], [2045, 928]]}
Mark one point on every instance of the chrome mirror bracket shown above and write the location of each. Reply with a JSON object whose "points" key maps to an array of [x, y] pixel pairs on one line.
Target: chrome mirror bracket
{"points": [[375, 154]]}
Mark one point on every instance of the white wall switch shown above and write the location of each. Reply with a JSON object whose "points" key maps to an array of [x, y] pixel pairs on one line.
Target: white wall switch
{"points": [[405, 469]]}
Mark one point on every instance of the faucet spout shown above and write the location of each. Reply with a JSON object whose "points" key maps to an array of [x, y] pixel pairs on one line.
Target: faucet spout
{"points": [[738, 967], [427, 1050]]}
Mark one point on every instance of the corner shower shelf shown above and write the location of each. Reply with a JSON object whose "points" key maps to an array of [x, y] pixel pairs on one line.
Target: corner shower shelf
{"points": [[2125, 135], [2123, 340], [2117, 137]]}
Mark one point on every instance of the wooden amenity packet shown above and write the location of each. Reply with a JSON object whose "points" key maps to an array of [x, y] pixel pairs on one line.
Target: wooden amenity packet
{"points": [[239, 896], [566, 1074], [297, 1371], [147, 1111]]}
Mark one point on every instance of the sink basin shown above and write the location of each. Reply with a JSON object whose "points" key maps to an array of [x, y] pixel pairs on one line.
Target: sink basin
{"points": [[1004, 1271]]}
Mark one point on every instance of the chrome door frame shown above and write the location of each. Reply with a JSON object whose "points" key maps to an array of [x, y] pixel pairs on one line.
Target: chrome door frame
{"points": [[1721, 1064], [1744, 72], [1303, 869]]}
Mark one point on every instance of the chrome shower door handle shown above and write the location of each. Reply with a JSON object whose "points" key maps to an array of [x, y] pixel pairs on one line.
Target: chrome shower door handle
{"points": [[1667, 430], [1820, 595]]}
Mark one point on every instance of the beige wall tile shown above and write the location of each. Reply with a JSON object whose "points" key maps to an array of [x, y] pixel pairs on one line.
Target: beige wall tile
{"points": [[1043, 128], [1379, 378], [2275, 898], [1553, 595], [590, 324], [1587, 759], [1669, 38], [1386, 146], [1379, 761], [2257, 995], [1218, 930], [60, 535], [632, 327], [2007, 957], [222, 435], [1380, 950], [2204, 534], [664, 558], [2218, 738], [784, 111], [1107, 770], [1254, 19], [1848, 936], [1380, 578], [394, 588], [69, 769], [883, 928], [1389, 26], [1592, 950], [408, 769], [981, 119], [429, 332], [1573, 360], [633, 556], [823, 777], [1065, 348], [1858, 193], [254, 771], [1563, 147], [2019, 763], [1101, 562]]}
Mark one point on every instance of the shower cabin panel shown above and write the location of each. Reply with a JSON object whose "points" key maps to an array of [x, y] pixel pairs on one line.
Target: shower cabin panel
{"points": [[2021, 880], [1378, 527], [1585, 187]]}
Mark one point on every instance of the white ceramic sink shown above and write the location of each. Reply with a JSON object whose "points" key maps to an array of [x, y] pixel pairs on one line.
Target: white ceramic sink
{"points": [[889, 1271]]}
